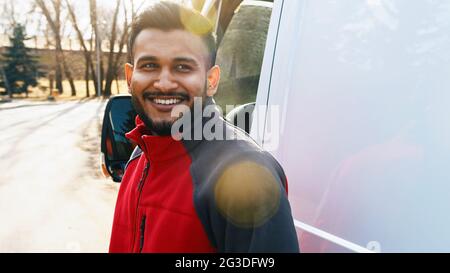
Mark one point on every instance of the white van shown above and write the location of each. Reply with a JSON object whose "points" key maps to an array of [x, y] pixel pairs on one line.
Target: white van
{"points": [[363, 90], [353, 99]]}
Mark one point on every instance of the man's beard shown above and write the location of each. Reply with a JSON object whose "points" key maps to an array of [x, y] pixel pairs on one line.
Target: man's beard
{"points": [[162, 128]]}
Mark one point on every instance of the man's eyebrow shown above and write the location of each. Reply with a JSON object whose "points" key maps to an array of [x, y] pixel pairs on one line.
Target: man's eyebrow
{"points": [[147, 59], [185, 60]]}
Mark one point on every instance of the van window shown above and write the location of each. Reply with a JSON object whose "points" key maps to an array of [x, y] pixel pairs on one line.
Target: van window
{"points": [[241, 52], [366, 136]]}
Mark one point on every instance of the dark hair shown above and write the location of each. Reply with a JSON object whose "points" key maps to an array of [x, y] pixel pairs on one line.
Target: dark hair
{"points": [[168, 16]]}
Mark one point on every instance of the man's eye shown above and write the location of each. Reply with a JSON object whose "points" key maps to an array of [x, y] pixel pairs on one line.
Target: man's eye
{"points": [[183, 68], [149, 66]]}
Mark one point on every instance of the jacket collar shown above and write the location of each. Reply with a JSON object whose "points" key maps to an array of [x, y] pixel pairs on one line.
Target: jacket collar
{"points": [[155, 148]]}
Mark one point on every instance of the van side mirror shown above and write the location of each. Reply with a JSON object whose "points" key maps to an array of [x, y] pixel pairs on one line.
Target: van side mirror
{"points": [[116, 149]]}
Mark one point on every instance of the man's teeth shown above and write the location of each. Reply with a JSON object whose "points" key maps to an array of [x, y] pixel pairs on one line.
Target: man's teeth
{"points": [[167, 101]]}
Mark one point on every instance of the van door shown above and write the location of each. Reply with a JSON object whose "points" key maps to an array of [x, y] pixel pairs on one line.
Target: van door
{"points": [[360, 92]]}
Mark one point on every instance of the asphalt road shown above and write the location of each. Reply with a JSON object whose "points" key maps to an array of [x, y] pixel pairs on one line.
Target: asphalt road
{"points": [[53, 197]]}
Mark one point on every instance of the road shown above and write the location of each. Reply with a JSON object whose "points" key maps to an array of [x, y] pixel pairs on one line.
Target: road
{"points": [[53, 197]]}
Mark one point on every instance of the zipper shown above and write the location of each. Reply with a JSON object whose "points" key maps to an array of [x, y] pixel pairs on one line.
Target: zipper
{"points": [[142, 232], [144, 176], [139, 189]]}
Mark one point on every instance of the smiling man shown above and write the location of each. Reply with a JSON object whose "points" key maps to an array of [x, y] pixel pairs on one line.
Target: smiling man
{"points": [[172, 64], [192, 195]]}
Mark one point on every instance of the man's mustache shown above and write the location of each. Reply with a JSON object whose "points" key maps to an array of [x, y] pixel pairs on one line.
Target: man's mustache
{"points": [[177, 94]]}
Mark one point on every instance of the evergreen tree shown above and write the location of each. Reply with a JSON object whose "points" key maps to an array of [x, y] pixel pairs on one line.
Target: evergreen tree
{"points": [[20, 68]]}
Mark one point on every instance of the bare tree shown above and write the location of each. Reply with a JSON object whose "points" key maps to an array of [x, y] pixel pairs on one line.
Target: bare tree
{"points": [[117, 39], [55, 25], [114, 57], [89, 64], [102, 22], [8, 20], [111, 70], [8, 15], [98, 41]]}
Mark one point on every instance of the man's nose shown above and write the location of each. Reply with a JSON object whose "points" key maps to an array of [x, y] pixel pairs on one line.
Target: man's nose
{"points": [[166, 81]]}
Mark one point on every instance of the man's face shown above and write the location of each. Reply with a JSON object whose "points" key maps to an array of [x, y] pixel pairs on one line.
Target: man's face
{"points": [[169, 69]]}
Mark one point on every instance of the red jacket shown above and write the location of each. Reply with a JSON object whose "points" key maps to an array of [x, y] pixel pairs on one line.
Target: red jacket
{"points": [[180, 196]]}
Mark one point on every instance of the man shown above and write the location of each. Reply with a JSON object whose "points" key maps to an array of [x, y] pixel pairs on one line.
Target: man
{"points": [[191, 194]]}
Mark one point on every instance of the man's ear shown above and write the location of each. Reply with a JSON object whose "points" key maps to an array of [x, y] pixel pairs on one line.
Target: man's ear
{"points": [[213, 81], [128, 75]]}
